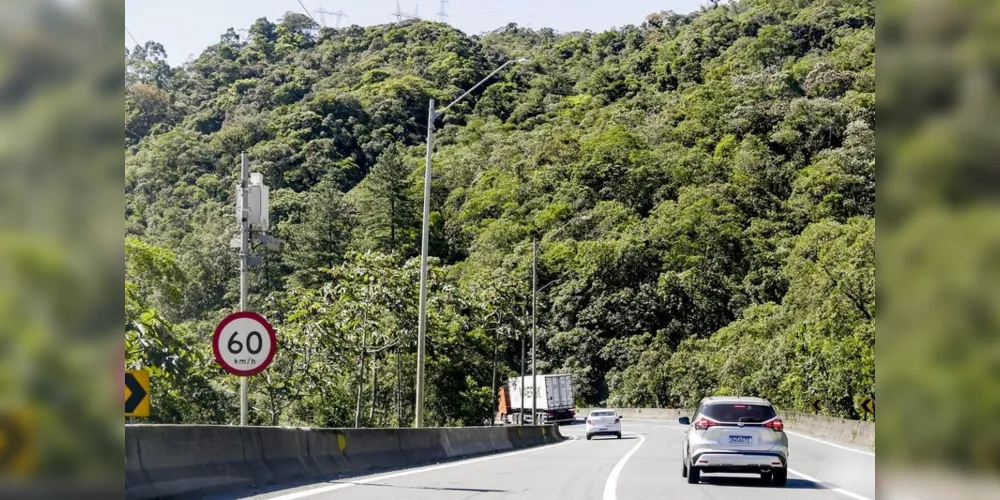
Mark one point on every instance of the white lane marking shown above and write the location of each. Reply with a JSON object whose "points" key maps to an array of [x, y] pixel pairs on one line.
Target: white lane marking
{"points": [[835, 445], [354, 482], [612, 483], [842, 491]]}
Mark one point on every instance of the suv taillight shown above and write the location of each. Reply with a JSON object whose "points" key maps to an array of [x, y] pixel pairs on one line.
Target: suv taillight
{"points": [[704, 424], [618, 421], [776, 425], [590, 422]]}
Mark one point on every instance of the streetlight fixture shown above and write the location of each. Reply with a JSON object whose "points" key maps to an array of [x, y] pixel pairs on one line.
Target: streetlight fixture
{"points": [[534, 308], [433, 114]]}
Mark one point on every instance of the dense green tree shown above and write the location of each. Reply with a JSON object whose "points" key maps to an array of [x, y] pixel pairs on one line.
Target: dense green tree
{"points": [[389, 220], [319, 240], [703, 186]]}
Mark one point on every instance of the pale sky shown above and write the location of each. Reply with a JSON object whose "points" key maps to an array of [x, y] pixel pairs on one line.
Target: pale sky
{"points": [[186, 27]]}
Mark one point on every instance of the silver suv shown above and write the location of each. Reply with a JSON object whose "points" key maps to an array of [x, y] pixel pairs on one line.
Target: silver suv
{"points": [[735, 435]]}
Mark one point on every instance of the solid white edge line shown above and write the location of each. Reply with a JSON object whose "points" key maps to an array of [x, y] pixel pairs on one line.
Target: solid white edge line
{"points": [[835, 445], [842, 491], [611, 485], [348, 482]]}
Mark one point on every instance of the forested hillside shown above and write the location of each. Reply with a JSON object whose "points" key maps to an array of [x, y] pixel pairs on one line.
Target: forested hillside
{"points": [[703, 187]]}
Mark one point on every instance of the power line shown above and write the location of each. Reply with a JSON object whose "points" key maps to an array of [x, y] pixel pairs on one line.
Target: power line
{"points": [[307, 11], [130, 35]]}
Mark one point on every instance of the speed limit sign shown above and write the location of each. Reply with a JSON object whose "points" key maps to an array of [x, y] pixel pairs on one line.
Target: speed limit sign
{"points": [[244, 343]]}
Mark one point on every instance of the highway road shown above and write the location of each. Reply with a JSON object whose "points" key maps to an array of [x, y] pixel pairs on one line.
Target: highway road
{"points": [[645, 464]]}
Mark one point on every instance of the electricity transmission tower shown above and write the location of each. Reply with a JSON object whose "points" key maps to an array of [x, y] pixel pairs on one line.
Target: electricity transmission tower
{"points": [[443, 12], [323, 12], [399, 15]]}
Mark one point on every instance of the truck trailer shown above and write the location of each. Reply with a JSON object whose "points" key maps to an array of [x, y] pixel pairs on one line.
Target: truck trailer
{"points": [[554, 401]]}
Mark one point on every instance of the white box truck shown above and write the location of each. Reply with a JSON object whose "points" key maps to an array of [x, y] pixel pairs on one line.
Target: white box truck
{"points": [[554, 401]]}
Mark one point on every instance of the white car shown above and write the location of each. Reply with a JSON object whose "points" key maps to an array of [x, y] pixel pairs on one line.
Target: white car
{"points": [[604, 423], [735, 435]]}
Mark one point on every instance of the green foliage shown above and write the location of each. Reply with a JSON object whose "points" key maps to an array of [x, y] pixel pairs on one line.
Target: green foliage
{"points": [[703, 187], [388, 205], [317, 230]]}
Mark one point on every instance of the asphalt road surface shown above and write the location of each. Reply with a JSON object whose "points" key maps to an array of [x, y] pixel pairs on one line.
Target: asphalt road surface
{"points": [[645, 464]]}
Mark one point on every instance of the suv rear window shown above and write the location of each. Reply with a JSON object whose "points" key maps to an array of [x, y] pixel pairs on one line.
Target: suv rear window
{"points": [[738, 412]]}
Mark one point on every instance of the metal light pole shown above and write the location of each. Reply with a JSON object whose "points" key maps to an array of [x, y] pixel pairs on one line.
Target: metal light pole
{"points": [[522, 380], [244, 257], [422, 321], [425, 241], [534, 311], [493, 381], [534, 303]]}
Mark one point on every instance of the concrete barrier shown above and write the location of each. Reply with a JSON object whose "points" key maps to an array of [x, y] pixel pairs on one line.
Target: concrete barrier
{"points": [[286, 454], [519, 436], [169, 469], [133, 466], [253, 453], [172, 461], [459, 442], [326, 447], [856, 433], [527, 436], [423, 445], [369, 450], [841, 430]]}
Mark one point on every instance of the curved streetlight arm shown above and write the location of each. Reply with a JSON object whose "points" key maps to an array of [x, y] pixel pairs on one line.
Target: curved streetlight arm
{"points": [[553, 282], [474, 87], [564, 226]]}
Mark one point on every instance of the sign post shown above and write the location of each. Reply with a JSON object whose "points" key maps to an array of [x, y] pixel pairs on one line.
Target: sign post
{"points": [[252, 214], [244, 264]]}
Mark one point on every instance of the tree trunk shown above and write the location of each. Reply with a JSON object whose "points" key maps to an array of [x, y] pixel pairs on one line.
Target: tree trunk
{"points": [[274, 404], [392, 223], [361, 379], [522, 379], [399, 387], [371, 411], [493, 380]]}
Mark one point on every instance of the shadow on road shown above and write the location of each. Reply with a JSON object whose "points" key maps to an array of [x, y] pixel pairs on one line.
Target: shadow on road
{"points": [[611, 438], [755, 482]]}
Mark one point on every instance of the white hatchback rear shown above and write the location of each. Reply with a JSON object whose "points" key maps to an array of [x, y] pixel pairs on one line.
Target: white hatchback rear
{"points": [[604, 423]]}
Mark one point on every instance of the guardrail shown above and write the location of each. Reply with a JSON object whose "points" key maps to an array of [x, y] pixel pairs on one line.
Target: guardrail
{"points": [[856, 433], [188, 461]]}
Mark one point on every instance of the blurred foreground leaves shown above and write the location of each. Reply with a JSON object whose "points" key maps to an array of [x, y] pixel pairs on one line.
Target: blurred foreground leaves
{"points": [[60, 238], [939, 258]]}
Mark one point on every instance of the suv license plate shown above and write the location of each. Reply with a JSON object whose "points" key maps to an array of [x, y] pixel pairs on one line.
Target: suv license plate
{"points": [[740, 440]]}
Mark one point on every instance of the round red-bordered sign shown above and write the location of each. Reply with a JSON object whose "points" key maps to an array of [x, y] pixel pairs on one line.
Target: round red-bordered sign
{"points": [[244, 343]]}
